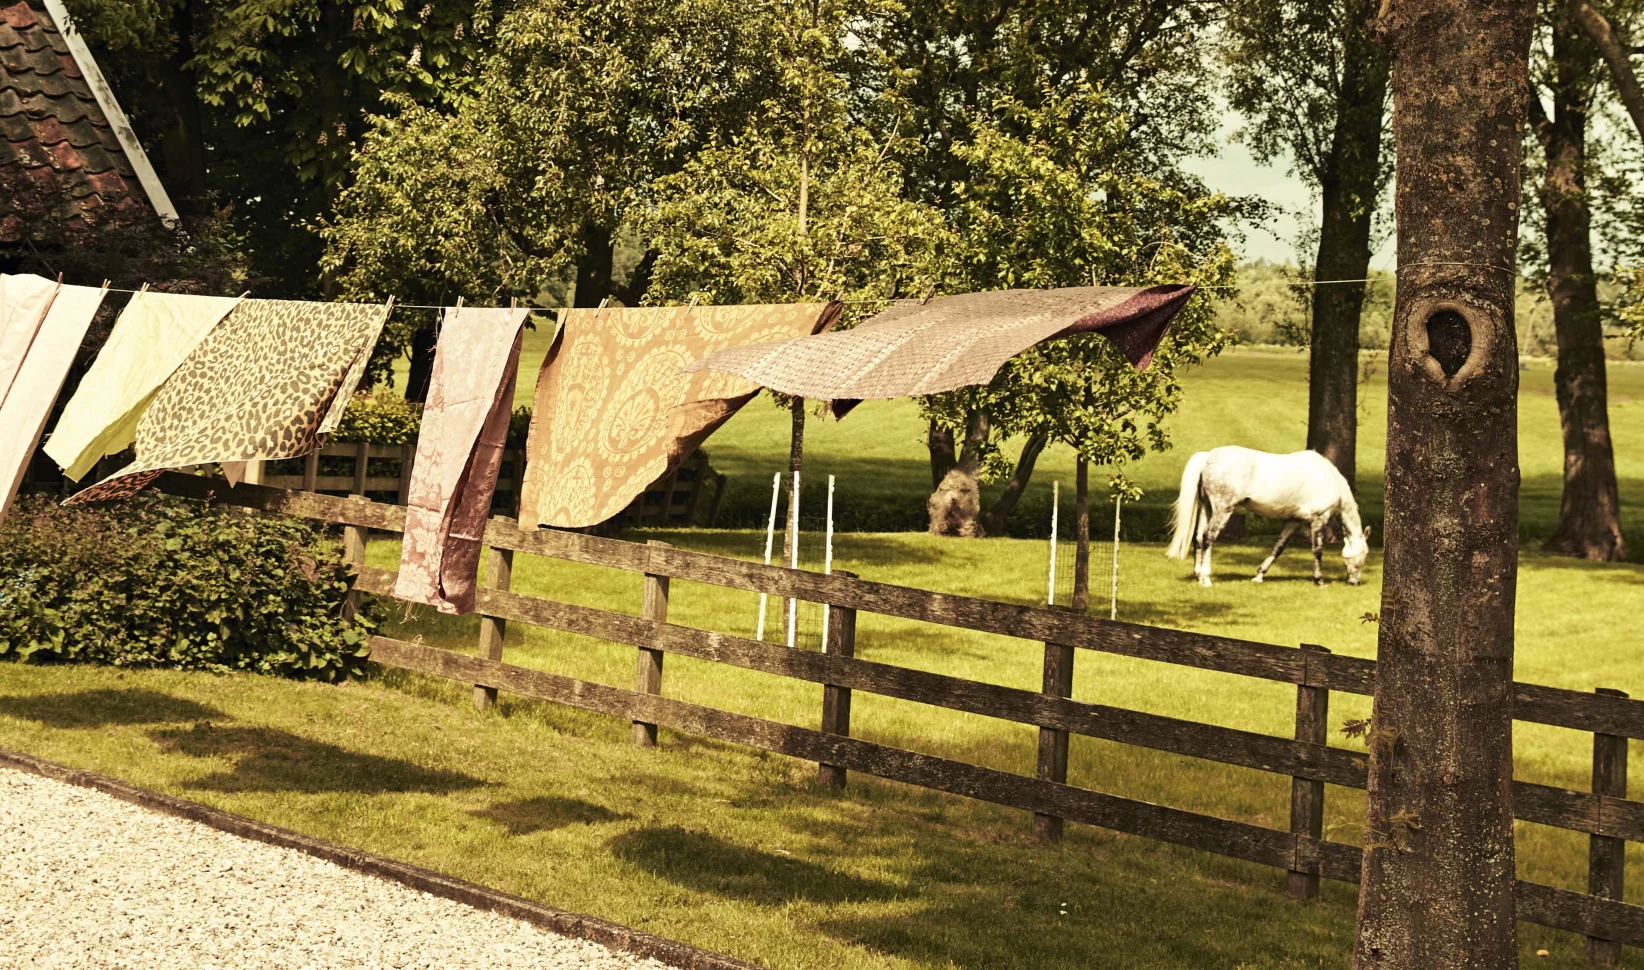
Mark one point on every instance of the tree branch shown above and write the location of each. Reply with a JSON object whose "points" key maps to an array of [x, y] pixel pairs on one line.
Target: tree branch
{"points": [[1615, 55]]}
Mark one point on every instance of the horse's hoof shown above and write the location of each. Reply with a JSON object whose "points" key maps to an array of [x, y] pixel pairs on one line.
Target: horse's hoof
{"points": [[1321, 582], [1354, 582], [1256, 578]]}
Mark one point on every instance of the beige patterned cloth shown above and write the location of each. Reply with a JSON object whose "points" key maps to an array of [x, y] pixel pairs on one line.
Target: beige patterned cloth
{"points": [[459, 453], [25, 405], [260, 387], [615, 410], [951, 342]]}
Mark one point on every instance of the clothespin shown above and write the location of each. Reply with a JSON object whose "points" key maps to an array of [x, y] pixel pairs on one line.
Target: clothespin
{"points": [[695, 297], [513, 303], [928, 294], [603, 302]]}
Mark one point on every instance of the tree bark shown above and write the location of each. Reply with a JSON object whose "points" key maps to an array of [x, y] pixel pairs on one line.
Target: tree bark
{"points": [[1437, 889], [1589, 519], [1081, 537], [593, 282], [943, 454], [1348, 187], [994, 521], [956, 506], [1622, 78], [421, 374]]}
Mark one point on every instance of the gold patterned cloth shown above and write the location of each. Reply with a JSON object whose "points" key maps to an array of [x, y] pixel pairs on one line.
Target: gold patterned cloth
{"points": [[926, 347], [262, 386], [459, 454], [615, 410], [25, 405]]}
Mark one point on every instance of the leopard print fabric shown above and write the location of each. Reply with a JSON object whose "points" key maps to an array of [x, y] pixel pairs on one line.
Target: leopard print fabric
{"points": [[262, 386]]}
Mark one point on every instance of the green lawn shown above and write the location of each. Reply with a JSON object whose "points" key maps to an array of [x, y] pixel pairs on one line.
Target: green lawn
{"points": [[740, 852]]}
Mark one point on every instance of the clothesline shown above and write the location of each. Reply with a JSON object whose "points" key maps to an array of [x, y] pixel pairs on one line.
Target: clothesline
{"points": [[1388, 278]]}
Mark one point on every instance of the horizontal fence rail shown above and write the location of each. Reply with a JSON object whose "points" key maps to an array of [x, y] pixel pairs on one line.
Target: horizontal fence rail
{"points": [[1603, 813]]}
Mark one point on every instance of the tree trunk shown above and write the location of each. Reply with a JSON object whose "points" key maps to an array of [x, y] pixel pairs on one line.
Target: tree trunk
{"points": [[421, 374], [994, 521], [593, 282], [1438, 875], [1349, 187], [1081, 537], [943, 455], [1589, 519], [169, 101], [956, 506]]}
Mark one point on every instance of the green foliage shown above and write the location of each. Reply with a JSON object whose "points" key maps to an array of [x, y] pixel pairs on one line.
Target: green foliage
{"points": [[381, 418], [163, 582], [1053, 200]]}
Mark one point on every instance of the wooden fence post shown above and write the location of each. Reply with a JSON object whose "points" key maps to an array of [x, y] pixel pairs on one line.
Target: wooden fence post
{"points": [[836, 701], [362, 463], [408, 458], [648, 666], [1306, 794], [499, 574], [354, 552], [1053, 744], [311, 471], [1606, 856]]}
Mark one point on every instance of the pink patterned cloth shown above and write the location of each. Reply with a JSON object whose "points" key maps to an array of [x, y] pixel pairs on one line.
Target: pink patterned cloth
{"points": [[459, 454], [31, 390]]}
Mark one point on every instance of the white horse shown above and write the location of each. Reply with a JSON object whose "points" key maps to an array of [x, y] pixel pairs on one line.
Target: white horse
{"points": [[1302, 488]]}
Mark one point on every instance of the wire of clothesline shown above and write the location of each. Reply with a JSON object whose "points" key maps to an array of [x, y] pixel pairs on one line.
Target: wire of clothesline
{"points": [[1386, 278]]}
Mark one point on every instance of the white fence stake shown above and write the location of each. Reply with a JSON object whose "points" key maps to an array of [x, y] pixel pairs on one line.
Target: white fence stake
{"points": [[793, 557], [770, 538], [827, 564], [1113, 611], [1055, 508]]}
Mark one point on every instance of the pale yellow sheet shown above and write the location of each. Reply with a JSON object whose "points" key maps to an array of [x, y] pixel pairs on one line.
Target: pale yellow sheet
{"points": [[23, 304], [153, 336]]}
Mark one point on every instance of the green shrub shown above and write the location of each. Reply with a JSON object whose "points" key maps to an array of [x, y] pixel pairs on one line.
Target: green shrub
{"points": [[381, 418], [384, 418], [162, 582]]}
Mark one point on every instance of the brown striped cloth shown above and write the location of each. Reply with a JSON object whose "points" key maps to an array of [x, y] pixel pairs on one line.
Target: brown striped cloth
{"points": [[266, 384], [943, 344], [459, 455], [615, 410]]}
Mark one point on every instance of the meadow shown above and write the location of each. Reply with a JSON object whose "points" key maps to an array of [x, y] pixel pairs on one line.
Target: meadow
{"points": [[743, 853]]}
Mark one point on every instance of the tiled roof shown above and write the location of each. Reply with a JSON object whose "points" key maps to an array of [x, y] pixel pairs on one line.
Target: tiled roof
{"points": [[52, 132]]}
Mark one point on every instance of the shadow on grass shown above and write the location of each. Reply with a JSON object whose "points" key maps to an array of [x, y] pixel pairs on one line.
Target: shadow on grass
{"points": [[704, 863], [273, 760], [106, 708], [545, 814]]}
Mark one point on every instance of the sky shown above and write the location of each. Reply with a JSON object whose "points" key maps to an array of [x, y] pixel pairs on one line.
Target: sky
{"points": [[1235, 172]]}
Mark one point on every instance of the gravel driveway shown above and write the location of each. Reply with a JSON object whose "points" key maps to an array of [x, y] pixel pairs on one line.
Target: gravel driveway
{"points": [[88, 881]]}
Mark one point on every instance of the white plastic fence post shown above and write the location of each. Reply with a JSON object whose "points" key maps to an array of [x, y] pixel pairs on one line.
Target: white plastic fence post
{"points": [[1055, 508], [827, 564], [770, 539], [793, 557], [1113, 612]]}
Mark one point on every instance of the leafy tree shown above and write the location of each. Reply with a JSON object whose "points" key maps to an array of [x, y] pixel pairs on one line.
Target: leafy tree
{"points": [[576, 111], [264, 101], [1054, 200], [1312, 80]]}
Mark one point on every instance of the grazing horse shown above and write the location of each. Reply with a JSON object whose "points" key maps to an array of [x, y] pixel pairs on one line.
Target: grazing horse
{"points": [[1302, 488]]}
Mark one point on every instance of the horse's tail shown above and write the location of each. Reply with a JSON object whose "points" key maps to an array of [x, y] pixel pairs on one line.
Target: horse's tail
{"points": [[1185, 517]]}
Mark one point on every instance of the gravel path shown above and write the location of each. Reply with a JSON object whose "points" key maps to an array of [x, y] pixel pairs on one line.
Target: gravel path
{"points": [[88, 881]]}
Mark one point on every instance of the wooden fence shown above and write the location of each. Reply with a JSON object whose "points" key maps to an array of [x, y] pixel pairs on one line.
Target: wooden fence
{"points": [[1604, 814]]}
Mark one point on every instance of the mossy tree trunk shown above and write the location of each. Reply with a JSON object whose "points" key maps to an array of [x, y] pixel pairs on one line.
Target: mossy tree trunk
{"points": [[1437, 888]]}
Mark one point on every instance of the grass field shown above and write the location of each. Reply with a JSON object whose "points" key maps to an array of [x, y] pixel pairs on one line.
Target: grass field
{"points": [[742, 853]]}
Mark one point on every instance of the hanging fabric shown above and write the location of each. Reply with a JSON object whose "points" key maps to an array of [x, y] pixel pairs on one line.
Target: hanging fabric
{"points": [[459, 455], [24, 301], [26, 404], [927, 347], [258, 388], [154, 335], [615, 411]]}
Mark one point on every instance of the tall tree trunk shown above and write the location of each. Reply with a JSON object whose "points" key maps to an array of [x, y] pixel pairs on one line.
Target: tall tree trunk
{"points": [[1349, 187], [1589, 518], [166, 93], [593, 282], [943, 453], [1438, 876], [421, 374], [1615, 52], [956, 506], [994, 521]]}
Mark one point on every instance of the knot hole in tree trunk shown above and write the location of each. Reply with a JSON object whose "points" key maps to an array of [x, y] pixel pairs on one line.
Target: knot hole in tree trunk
{"points": [[1449, 340]]}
